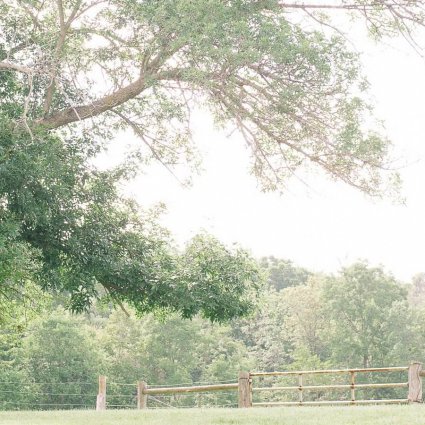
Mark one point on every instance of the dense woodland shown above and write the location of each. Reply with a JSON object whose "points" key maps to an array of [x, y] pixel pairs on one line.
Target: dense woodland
{"points": [[360, 317]]}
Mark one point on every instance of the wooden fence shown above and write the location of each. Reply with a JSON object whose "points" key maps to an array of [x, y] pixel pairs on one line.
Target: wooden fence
{"points": [[245, 387], [413, 386]]}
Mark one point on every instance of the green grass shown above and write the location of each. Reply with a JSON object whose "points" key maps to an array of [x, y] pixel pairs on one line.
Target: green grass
{"points": [[350, 415]]}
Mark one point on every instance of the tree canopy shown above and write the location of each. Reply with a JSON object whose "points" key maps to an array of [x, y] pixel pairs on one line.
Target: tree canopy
{"points": [[293, 88], [363, 304], [75, 72]]}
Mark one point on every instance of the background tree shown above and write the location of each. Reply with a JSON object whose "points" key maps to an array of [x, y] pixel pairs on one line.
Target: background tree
{"points": [[63, 362], [265, 334], [366, 307], [307, 319], [283, 273], [169, 351], [417, 290], [300, 327]]}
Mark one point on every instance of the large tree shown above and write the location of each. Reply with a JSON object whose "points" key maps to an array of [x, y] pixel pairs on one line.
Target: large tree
{"points": [[74, 72]]}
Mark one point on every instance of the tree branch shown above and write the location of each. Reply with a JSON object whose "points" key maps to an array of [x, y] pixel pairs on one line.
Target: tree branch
{"points": [[32, 15], [325, 6], [138, 132], [15, 67], [64, 28], [97, 107], [108, 102]]}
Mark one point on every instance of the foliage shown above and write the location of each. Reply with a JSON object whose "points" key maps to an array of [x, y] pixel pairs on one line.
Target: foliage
{"points": [[308, 326], [265, 334], [417, 290], [169, 351], [293, 89], [19, 263], [291, 86], [307, 320], [283, 273], [365, 307], [156, 351], [15, 386], [67, 227], [61, 358]]}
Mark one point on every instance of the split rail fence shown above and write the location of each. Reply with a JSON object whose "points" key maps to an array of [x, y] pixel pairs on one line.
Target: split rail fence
{"points": [[246, 390]]}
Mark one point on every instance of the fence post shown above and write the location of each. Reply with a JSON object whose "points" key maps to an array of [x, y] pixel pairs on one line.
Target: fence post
{"points": [[244, 390], [101, 396], [300, 387], [415, 383], [353, 386], [142, 398]]}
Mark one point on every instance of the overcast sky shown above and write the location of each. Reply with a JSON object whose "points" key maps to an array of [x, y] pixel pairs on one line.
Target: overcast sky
{"points": [[323, 226]]}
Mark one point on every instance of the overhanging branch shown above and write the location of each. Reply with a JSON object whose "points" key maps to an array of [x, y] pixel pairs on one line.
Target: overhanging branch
{"points": [[15, 67], [97, 107]]}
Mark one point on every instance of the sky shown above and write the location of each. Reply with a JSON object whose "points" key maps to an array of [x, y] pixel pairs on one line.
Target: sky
{"points": [[322, 226]]}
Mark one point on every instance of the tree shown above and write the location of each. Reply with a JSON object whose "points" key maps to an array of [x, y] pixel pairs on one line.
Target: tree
{"points": [[367, 310], [283, 273], [265, 334], [170, 351], [18, 262], [62, 361], [157, 351], [306, 321], [294, 92]]}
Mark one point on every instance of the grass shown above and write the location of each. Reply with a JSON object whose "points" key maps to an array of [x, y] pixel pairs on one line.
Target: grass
{"points": [[350, 415]]}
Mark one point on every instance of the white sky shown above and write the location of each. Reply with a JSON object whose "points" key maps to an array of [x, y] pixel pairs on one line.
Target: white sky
{"points": [[329, 224]]}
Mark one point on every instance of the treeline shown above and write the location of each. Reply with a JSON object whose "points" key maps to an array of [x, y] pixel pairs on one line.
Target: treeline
{"points": [[360, 317]]}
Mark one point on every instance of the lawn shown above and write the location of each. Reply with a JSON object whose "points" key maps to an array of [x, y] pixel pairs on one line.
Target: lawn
{"points": [[350, 415]]}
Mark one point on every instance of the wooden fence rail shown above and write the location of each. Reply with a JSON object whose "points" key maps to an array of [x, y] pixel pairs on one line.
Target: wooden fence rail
{"points": [[331, 371], [336, 387], [245, 387], [194, 389]]}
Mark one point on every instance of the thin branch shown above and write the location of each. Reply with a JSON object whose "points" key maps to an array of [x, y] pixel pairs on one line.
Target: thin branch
{"points": [[33, 16], [27, 104], [15, 49], [88, 7], [140, 134], [109, 36], [64, 29], [115, 298], [327, 24], [61, 14], [352, 6]]}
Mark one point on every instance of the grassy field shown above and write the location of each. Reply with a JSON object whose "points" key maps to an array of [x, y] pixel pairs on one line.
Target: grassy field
{"points": [[350, 415]]}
